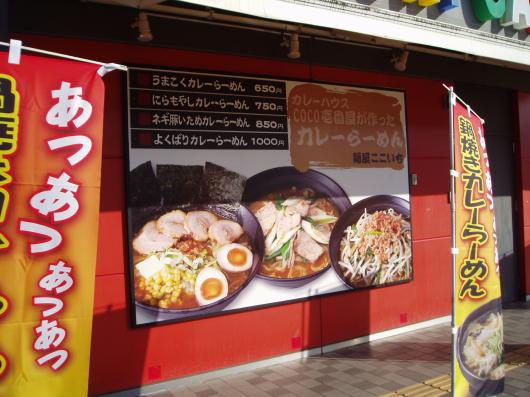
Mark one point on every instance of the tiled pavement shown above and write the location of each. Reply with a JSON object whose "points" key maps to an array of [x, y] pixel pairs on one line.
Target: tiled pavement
{"points": [[394, 366]]}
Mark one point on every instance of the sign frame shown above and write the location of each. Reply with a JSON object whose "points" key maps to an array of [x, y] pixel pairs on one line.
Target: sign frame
{"points": [[129, 231]]}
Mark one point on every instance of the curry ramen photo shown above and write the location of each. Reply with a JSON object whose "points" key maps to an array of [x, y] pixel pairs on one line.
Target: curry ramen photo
{"points": [[297, 224], [188, 259], [297, 212], [372, 244]]}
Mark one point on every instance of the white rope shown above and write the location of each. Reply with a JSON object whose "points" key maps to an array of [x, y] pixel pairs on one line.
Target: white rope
{"points": [[57, 54]]}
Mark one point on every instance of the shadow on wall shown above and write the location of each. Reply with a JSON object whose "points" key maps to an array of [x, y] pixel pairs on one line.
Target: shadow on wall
{"points": [[125, 358], [117, 357]]}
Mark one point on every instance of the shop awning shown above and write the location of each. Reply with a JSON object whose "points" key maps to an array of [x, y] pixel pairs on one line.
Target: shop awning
{"points": [[387, 24], [456, 32]]}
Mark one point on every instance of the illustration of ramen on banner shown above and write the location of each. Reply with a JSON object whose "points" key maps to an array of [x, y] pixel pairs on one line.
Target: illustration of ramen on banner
{"points": [[234, 201]]}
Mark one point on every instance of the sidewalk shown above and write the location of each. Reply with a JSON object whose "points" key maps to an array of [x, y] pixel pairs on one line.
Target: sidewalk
{"points": [[415, 364]]}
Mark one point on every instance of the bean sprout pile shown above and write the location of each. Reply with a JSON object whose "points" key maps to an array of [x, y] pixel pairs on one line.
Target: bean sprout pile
{"points": [[376, 249]]}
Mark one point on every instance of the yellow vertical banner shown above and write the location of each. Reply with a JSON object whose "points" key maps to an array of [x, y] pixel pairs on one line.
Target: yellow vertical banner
{"points": [[478, 345], [51, 121]]}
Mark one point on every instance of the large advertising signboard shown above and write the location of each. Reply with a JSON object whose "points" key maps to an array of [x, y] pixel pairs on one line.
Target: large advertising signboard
{"points": [[51, 123], [478, 316], [244, 192]]}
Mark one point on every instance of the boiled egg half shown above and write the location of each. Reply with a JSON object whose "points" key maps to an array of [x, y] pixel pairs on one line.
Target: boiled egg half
{"points": [[234, 257], [210, 286]]}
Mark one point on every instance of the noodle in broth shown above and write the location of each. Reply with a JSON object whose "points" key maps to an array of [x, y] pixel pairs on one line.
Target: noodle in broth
{"points": [[483, 348]]}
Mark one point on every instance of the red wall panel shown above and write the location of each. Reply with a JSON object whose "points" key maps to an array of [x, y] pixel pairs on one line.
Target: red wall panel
{"points": [[526, 259], [123, 357], [111, 243], [525, 182], [523, 100], [430, 199], [523, 104], [364, 312]]}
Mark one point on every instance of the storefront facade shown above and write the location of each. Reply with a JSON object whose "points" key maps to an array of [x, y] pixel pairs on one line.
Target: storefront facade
{"points": [[125, 357]]}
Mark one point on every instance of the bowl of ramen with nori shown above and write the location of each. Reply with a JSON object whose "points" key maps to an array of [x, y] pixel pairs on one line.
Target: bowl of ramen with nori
{"points": [[194, 258], [297, 212], [480, 349]]}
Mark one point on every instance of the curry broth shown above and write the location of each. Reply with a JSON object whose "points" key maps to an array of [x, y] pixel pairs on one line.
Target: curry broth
{"points": [[300, 268]]}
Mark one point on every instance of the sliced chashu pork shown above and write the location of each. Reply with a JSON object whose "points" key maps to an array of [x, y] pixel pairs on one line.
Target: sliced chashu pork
{"points": [[172, 224], [198, 223], [301, 207], [151, 240], [266, 216], [306, 247], [225, 232], [316, 211], [288, 222]]}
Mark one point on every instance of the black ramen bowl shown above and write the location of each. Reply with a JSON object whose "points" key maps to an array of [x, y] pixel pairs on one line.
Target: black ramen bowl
{"points": [[477, 385], [281, 178], [351, 216], [237, 213]]}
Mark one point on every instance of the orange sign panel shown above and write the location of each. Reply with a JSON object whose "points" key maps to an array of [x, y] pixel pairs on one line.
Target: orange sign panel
{"points": [[51, 120], [349, 127], [479, 342]]}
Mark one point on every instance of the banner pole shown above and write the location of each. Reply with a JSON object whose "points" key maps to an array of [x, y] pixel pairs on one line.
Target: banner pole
{"points": [[453, 242]]}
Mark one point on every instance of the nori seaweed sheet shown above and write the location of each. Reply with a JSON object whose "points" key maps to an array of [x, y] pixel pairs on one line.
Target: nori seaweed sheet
{"points": [[222, 185], [180, 184], [143, 187]]}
